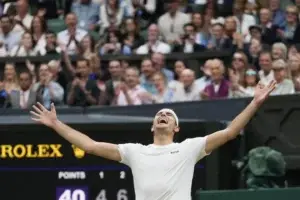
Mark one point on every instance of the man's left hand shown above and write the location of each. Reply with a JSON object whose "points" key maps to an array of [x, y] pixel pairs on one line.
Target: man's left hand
{"points": [[262, 92]]}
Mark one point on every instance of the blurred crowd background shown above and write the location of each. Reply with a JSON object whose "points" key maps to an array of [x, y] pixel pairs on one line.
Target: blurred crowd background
{"points": [[261, 35]]}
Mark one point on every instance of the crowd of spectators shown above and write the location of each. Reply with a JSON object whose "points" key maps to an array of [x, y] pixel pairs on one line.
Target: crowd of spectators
{"points": [[262, 35]]}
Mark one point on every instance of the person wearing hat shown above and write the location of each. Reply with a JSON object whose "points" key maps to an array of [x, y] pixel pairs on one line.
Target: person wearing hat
{"points": [[284, 85]]}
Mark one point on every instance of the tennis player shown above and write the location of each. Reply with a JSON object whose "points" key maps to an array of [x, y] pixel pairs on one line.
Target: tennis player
{"points": [[162, 170]]}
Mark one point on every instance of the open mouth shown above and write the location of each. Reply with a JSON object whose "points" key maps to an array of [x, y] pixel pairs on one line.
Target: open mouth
{"points": [[162, 121]]}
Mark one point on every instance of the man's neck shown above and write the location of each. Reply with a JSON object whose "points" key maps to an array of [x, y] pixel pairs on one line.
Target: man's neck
{"points": [[162, 138], [173, 13], [217, 81], [266, 72]]}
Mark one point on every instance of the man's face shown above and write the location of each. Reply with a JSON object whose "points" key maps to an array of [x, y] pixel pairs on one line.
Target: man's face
{"points": [[152, 32], [25, 81], [82, 68], [71, 20], [50, 38], [115, 69], [6, 24], [22, 7], [265, 62], [189, 30], [158, 61], [131, 77], [164, 119], [197, 19], [187, 77], [217, 31], [216, 71], [264, 15], [44, 73], [147, 68]]}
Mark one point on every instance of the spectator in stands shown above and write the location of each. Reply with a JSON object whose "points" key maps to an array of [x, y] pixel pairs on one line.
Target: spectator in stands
{"points": [[57, 74], [154, 45], [25, 97], [10, 81], [290, 30], [176, 84], [25, 48], [158, 61], [294, 70], [128, 92], [190, 90], [244, 21], [112, 44], [205, 80], [171, 23], [230, 26], [164, 93], [23, 16], [284, 85], [51, 47], [239, 67], [187, 43], [87, 47], [87, 13], [116, 71], [278, 14], [247, 89], [112, 13], [218, 40], [293, 51], [279, 51], [38, 31], [72, 36], [131, 38], [255, 47], [8, 38], [201, 34], [268, 29], [146, 77], [47, 90], [266, 73], [83, 91], [219, 86]]}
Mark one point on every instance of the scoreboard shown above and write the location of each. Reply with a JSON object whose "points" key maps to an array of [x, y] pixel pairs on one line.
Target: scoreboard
{"points": [[40, 165]]}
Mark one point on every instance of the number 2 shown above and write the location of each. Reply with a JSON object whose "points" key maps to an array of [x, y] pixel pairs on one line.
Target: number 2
{"points": [[122, 175]]}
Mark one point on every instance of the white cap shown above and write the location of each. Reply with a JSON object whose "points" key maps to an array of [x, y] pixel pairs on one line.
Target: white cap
{"points": [[172, 112]]}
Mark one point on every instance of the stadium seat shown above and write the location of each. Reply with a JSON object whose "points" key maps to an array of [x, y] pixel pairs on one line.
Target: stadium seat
{"points": [[56, 25]]}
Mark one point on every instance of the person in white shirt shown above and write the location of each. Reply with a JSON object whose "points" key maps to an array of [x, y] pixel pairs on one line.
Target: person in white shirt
{"points": [[72, 36], [128, 92], [266, 74], [23, 16], [154, 45], [171, 24], [162, 170]]}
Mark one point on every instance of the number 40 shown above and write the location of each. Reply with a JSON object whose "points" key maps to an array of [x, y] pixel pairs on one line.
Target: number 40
{"points": [[75, 195]]}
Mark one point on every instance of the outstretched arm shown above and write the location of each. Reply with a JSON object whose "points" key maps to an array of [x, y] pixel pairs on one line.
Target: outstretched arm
{"points": [[219, 138], [82, 141]]}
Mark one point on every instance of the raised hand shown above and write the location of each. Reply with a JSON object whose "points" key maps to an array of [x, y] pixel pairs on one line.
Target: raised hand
{"points": [[262, 91], [44, 116]]}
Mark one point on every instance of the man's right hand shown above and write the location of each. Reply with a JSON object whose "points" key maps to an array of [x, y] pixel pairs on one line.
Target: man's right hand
{"points": [[44, 116], [75, 82]]}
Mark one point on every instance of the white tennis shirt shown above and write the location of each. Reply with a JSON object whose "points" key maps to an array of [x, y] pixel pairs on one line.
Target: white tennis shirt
{"points": [[163, 172]]}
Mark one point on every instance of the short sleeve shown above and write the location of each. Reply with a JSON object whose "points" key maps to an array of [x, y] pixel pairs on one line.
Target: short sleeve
{"points": [[127, 152], [197, 147]]}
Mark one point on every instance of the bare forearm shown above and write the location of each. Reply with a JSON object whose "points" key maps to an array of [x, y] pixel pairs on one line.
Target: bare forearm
{"points": [[241, 120], [75, 137], [219, 138]]}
